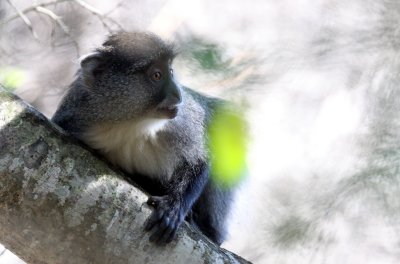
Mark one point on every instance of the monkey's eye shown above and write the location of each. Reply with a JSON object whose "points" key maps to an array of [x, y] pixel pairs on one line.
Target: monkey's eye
{"points": [[156, 76]]}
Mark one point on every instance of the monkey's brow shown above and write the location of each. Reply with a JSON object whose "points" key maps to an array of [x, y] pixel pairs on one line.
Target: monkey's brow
{"points": [[141, 67]]}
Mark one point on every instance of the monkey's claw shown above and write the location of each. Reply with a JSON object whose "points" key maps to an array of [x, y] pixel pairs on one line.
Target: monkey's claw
{"points": [[164, 221]]}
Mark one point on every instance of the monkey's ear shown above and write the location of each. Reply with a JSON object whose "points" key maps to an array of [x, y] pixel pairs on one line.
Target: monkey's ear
{"points": [[92, 66]]}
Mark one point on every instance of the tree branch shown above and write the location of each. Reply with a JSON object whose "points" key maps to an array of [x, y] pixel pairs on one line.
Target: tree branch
{"points": [[32, 8], [41, 8], [99, 15], [61, 204], [61, 24], [83, 4], [24, 18]]}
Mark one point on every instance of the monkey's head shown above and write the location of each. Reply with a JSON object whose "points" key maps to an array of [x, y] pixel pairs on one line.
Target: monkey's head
{"points": [[130, 76]]}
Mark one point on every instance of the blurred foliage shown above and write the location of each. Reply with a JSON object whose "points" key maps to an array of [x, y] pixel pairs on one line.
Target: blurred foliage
{"points": [[11, 77], [208, 56], [203, 55], [227, 142]]}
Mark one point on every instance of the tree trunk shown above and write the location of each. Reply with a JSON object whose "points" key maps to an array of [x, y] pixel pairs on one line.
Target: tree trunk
{"points": [[59, 203]]}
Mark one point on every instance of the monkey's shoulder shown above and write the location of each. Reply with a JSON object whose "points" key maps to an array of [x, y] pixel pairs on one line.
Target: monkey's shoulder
{"points": [[202, 105]]}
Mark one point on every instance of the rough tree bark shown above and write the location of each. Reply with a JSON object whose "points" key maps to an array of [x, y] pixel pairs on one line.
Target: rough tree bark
{"points": [[59, 203]]}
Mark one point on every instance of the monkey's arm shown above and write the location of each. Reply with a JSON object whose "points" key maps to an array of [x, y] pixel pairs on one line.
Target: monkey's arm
{"points": [[170, 210]]}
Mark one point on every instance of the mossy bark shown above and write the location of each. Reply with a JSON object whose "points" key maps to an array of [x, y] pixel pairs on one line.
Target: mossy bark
{"points": [[60, 203]]}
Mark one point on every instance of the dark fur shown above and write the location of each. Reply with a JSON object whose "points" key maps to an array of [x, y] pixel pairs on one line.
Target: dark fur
{"points": [[112, 87]]}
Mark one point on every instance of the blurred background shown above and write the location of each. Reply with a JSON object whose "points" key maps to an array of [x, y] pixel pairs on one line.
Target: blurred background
{"points": [[319, 80]]}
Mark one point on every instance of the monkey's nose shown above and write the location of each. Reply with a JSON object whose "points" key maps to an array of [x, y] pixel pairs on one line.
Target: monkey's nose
{"points": [[173, 96], [172, 101], [176, 96]]}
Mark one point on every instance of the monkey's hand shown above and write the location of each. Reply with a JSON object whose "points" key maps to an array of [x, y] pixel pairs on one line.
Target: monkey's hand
{"points": [[167, 216]]}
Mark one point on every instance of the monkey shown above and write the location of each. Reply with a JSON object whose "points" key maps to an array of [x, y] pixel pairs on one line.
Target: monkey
{"points": [[127, 104]]}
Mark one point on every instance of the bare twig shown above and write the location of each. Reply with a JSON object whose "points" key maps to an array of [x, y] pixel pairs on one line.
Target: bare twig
{"points": [[32, 8], [24, 18], [41, 8], [62, 25], [99, 15], [114, 8]]}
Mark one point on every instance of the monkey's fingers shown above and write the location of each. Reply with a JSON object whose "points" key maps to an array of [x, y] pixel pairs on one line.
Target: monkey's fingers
{"points": [[153, 219], [175, 220], [160, 230], [169, 234], [163, 229], [169, 223]]}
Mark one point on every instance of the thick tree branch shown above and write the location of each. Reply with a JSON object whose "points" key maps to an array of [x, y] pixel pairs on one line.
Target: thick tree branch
{"points": [[61, 204]]}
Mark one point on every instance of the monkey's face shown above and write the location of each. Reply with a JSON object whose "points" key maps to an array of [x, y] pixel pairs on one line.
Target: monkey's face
{"points": [[166, 91], [127, 92], [130, 77]]}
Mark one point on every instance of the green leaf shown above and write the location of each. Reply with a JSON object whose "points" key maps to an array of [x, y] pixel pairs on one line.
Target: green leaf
{"points": [[227, 143], [11, 77]]}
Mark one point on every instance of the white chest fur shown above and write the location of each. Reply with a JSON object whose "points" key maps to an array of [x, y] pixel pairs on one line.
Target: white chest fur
{"points": [[134, 146]]}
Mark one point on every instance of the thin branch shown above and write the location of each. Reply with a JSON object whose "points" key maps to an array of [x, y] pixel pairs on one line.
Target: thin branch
{"points": [[94, 12], [114, 8], [99, 15], [40, 7], [62, 25], [24, 18], [33, 8], [88, 7]]}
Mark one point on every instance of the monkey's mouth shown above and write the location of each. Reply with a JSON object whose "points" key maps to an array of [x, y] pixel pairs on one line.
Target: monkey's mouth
{"points": [[170, 112]]}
